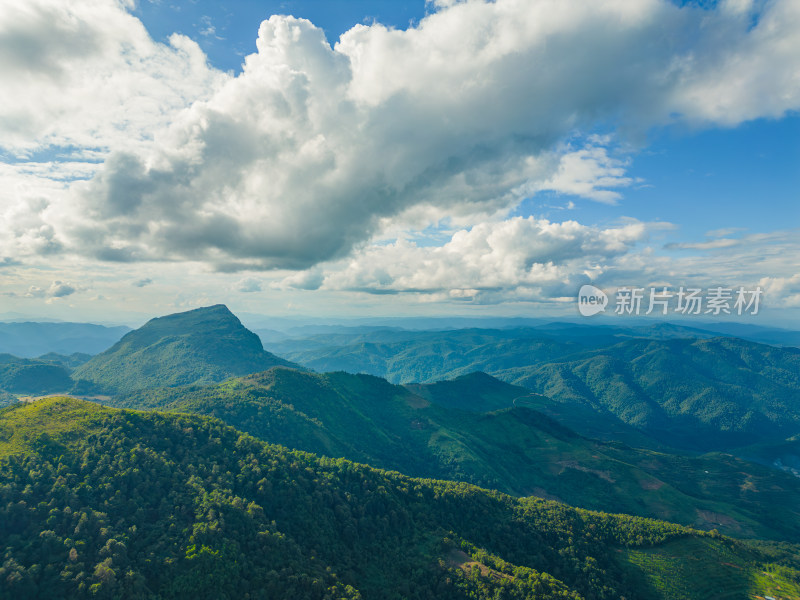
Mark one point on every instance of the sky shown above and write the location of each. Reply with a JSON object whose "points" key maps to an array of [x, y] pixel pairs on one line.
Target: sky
{"points": [[364, 158]]}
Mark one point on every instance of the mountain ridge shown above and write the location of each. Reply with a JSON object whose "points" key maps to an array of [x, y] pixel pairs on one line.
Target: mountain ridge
{"points": [[28, 339], [517, 450]]}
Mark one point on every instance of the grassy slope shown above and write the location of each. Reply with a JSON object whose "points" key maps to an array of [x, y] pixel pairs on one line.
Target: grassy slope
{"points": [[669, 567], [26, 427], [404, 539]]}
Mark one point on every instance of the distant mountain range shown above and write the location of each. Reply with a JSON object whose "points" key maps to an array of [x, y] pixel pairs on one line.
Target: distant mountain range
{"points": [[280, 330], [200, 346], [404, 356], [685, 391], [428, 356], [29, 339], [117, 504], [671, 389]]}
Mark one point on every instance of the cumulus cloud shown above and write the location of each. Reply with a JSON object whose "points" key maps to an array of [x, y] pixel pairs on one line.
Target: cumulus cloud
{"points": [[783, 291], [313, 150], [57, 289], [300, 158], [529, 259], [87, 74], [589, 172], [488, 261], [79, 80]]}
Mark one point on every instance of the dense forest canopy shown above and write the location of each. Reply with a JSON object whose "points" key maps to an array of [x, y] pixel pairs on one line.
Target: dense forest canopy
{"points": [[99, 502]]}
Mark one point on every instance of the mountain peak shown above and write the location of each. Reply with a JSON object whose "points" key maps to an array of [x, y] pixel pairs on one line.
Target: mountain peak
{"points": [[220, 309], [215, 311], [199, 346]]}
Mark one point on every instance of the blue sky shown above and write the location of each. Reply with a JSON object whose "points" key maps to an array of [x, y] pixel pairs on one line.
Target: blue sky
{"points": [[236, 23], [746, 177], [450, 157]]}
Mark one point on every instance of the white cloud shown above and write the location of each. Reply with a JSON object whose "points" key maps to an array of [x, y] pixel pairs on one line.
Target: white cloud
{"points": [[528, 259], [248, 285], [57, 289], [207, 28], [729, 265], [77, 81], [490, 258], [708, 245], [35, 292], [589, 172], [784, 291], [87, 74], [313, 150], [724, 232]]}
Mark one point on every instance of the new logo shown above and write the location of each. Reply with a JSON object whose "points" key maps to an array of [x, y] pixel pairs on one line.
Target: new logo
{"points": [[591, 300]]}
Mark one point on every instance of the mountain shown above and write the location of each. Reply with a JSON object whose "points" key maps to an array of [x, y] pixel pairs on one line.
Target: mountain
{"points": [[473, 392], [107, 503], [680, 386], [204, 345], [479, 392], [757, 333], [32, 376], [30, 339], [76, 359], [48, 374], [515, 450], [718, 393], [430, 356], [404, 356]]}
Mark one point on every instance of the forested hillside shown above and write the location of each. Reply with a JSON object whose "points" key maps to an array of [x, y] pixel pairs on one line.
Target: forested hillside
{"points": [[103, 503], [516, 450], [718, 393], [33, 376], [680, 386]]}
